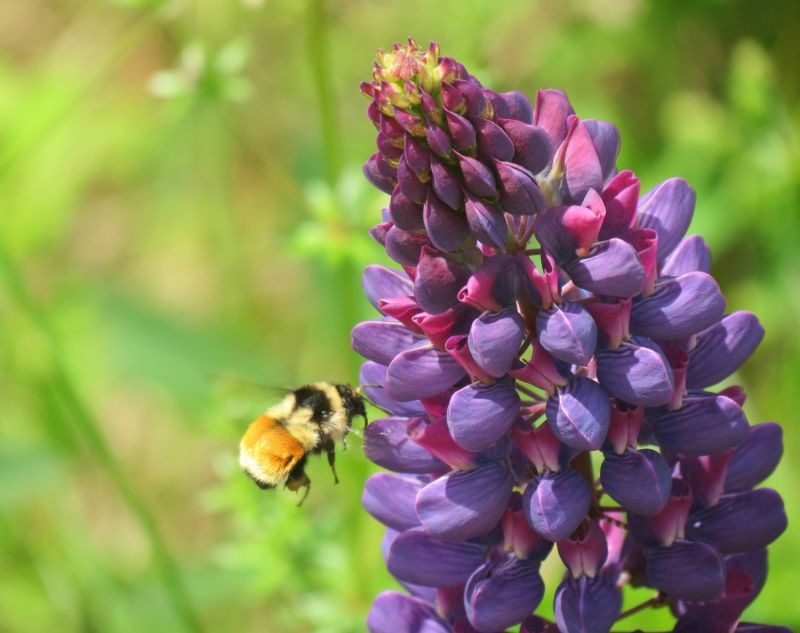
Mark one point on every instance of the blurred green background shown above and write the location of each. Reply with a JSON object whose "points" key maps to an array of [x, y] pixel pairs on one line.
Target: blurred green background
{"points": [[183, 215]]}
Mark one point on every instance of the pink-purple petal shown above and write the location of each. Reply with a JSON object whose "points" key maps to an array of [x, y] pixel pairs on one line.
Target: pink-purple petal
{"points": [[479, 415]]}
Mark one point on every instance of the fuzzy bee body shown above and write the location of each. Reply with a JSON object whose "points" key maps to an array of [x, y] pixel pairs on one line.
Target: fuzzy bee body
{"points": [[308, 421]]}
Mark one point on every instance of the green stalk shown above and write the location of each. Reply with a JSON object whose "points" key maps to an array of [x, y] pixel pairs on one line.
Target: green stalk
{"points": [[90, 432]]}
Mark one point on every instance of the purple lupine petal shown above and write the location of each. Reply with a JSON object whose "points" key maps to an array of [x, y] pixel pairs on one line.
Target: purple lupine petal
{"points": [[457, 346], [704, 425], [668, 525], [465, 504], [579, 414], [686, 570], [605, 138], [667, 209], [706, 475], [422, 559], [586, 605], [532, 147], [461, 131], [428, 594], [582, 168], [756, 458], [434, 436], [640, 481], [394, 612], [623, 429], [740, 522], [753, 563], [387, 148], [495, 339], [438, 281], [446, 228], [519, 106], [417, 158], [535, 624], [502, 594], [478, 415], [721, 614], [551, 113], [691, 255], [557, 503], [387, 444], [541, 370], [678, 307], [585, 554], [380, 282], [620, 198], [645, 241], [440, 327], [478, 178], [486, 221], [390, 499], [438, 141], [519, 193], [540, 445], [722, 348], [421, 372], [636, 372], [493, 142], [494, 285], [518, 535], [381, 341], [473, 96], [406, 214], [446, 185], [405, 247], [749, 627], [377, 175], [411, 186], [612, 268], [375, 374], [568, 332]]}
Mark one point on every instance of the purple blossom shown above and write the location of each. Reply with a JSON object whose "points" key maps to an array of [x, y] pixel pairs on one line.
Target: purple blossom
{"points": [[505, 362]]}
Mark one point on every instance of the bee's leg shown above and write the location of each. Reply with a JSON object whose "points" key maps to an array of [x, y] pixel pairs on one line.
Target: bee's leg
{"points": [[332, 463], [298, 479]]}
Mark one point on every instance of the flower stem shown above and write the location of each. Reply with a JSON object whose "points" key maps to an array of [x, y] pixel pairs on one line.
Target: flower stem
{"points": [[655, 601]]}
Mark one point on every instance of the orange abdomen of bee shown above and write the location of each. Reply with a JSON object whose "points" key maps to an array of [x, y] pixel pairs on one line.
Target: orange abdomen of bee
{"points": [[268, 452]]}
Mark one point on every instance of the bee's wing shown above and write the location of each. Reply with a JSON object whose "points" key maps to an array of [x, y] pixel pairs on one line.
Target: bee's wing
{"points": [[272, 448]]}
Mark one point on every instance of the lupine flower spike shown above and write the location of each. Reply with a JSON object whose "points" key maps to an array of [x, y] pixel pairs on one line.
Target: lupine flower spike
{"points": [[543, 310]]}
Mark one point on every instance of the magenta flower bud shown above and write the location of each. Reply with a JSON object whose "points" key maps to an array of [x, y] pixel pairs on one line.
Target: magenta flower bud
{"points": [[377, 174], [391, 129], [387, 444], [438, 281], [461, 131], [620, 198], [519, 193], [478, 178], [495, 339], [446, 185], [722, 348], [587, 605], [535, 624], [380, 282], [519, 537], [390, 499], [568, 332], [705, 425], [453, 99], [552, 110], [465, 504], [691, 255], [532, 147], [686, 570], [379, 232], [678, 307], [741, 521], [540, 446], [438, 140], [447, 229], [613, 320], [581, 164], [519, 106], [579, 414], [402, 309], [375, 374], [405, 247], [706, 475], [502, 593], [640, 481], [440, 327], [542, 288], [387, 147], [422, 559], [585, 552], [612, 268], [499, 106], [473, 96], [645, 241], [435, 437], [406, 215], [624, 426], [458, 347], [753, 564], [605, 138], [478, 415], [556, 503], [411, 123], [493, 142], [667, 209], [667, 525], [417, 158], [756, 458], [494, 285], [411, 186], [421, 372], [637, 372], [394, 612], [567, 229], [540, 371], [486, 221]]}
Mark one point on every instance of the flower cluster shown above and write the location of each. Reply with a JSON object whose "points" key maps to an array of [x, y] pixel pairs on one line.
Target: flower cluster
{"points": [[511, 368]]}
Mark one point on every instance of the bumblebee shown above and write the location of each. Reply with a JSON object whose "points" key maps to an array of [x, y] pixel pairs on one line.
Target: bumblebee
{"points": [[308, 421]]}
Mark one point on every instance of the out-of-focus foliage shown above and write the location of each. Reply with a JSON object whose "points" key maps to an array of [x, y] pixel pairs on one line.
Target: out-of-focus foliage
{"points": [[183, 214]]}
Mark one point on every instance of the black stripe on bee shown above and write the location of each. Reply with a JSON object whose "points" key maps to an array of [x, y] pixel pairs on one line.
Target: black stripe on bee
{"points": [[312, 398]]}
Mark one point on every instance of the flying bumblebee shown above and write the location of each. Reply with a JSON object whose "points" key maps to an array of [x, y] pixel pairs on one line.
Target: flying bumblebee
{"points": [[308, 421]]}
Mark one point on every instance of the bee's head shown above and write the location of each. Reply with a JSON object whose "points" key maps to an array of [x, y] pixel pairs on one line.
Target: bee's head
{"points": [[353, 401]]}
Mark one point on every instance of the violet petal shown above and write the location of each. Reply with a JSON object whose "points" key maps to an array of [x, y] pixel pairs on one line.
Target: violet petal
{"points": [[587, 605], [447, 229], [438, 281], [756, 458], [686, 570], [387, 444], [557, 503], [391, 498], [486, 221], [640, 481], [495, 339], [692, 254], [568, 332], [667, 209], [637, 372], [381, 341], [395, 612], [579, 414], [613, 268], [421, 372], [380, 282], [478, 415]]}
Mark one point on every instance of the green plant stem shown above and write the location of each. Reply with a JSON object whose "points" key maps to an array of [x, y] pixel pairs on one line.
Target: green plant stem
{"points": [[90, 432]]}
